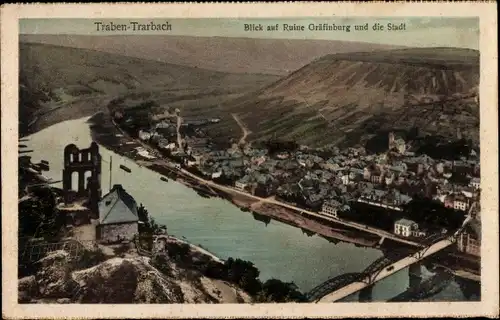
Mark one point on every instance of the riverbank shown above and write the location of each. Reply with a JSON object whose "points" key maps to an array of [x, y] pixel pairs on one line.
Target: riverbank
{"points": [[57, 112]]}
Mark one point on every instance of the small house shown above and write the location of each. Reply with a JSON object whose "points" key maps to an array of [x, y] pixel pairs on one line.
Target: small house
{"points": [[405, 227], [242, 183], [330, 208], [118, 218], [475, 183], [461, 203]]}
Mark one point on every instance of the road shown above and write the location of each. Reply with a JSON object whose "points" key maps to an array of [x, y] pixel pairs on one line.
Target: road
{"points": [[244, 129], [355, 225], [397, 266]]}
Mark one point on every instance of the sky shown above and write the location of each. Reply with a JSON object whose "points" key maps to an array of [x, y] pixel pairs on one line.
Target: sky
{"points": [[460, 32]]}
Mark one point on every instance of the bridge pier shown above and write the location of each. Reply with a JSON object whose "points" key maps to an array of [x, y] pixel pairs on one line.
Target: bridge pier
{"points": [[366, 294], [415, 275]]}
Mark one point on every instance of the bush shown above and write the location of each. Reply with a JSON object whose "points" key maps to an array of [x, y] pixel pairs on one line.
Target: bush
{"points": [[274, 290], [161, 263], [178, 251], [148, 225], [244, 274], [39, 217]]}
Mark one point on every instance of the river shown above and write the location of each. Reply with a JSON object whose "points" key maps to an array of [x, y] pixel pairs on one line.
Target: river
{"points": [[278, 250]]}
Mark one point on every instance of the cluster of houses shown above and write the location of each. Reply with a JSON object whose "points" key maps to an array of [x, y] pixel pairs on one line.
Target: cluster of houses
{"points": [[328, 180]]}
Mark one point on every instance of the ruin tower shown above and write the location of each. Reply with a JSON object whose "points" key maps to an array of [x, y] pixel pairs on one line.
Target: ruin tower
{"points": [[82, 161]]}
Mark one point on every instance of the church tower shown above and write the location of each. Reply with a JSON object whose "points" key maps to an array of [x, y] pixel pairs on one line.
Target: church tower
{"points": [[391, 140]]}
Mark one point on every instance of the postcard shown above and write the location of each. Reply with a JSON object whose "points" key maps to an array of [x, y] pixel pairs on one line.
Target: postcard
{"points": [[225, 160]]}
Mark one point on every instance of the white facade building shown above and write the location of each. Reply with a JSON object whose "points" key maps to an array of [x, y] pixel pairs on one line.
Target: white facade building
{"points": [[330, 208], [406, 228], [460, 203], [345, 179], [475, 183]]}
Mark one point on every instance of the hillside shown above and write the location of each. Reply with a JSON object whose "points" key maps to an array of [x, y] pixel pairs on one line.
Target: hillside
{"points": [[344, 99], [239, 55], [60, 83]]}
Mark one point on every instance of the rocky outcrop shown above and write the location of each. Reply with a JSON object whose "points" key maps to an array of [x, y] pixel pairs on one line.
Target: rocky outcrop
{"points": [[126, 280], [54, 276], [28, 289], [131, 279]]}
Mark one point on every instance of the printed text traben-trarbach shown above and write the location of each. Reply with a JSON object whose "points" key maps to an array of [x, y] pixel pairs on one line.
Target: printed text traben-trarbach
{"points": [[132, 26]]}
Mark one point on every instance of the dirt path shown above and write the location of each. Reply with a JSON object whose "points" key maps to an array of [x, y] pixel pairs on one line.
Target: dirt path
{"points": [[244, 129]]}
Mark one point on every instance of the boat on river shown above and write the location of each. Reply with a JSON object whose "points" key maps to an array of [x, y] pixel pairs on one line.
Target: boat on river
{"points": [[164, 179], [127, 169]]}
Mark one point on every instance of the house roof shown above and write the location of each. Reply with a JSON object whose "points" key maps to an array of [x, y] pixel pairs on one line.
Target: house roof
{"points": [[117, 207], [476, 180], [332, 203], [405, 222]]}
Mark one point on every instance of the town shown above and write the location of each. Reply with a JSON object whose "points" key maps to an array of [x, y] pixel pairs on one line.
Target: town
{"points": [[400, 190]]}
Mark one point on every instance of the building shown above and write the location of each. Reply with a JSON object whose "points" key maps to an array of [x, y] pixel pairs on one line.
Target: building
{"points": [[469, 240], [367, 173], [144, 135], [345, 179], [475, 183], [461, 203], [389, 178], [448, 201], [118, 217], [377, 178], [330, 208], [258, 160], [355, 174], [398, 144], [407, 228], [242, 183], [216, 174]]}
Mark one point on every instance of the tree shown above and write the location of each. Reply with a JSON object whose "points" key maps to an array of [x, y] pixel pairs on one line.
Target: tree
{"points": [[178, 251], [274, 290], [38, 217], [244, 274], [148, 225]]}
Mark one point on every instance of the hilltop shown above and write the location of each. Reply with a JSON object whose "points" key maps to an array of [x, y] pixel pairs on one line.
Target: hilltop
{"points": [[61, 83], [225, 54], [345, 99]]}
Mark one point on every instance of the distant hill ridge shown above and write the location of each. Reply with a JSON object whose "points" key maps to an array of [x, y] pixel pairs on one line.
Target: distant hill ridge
{"points": [[339, 98], [227, 54]]}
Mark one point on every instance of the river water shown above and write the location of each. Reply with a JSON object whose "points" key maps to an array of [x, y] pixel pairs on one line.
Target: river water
{"points": [[278, 250]]}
